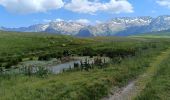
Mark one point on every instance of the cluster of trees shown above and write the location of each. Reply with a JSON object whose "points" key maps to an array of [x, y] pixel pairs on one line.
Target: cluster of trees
{"points": [[82, 51], [8, 62], [109, 52], [86, 51], [112, 53], [116, 54], [57, 55]]}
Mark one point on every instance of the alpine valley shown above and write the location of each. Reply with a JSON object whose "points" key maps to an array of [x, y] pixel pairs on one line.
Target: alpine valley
{"points": [[120, 26]]}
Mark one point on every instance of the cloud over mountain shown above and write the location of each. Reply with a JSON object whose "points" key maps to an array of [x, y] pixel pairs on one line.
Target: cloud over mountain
{"points": [[80, 21], [79, 6], [165, 3], [31, 6], [83, 21], [87, 6]]}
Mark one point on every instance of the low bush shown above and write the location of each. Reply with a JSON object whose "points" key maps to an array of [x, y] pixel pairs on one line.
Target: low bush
{"points": [[32, 70]]}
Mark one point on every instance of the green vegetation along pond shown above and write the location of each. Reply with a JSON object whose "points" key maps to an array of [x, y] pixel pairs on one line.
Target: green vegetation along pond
{"points": [[55, 66], [64, 66]]}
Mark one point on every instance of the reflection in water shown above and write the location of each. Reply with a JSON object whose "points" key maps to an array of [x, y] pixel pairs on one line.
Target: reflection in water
{"points": [[60, 67]]}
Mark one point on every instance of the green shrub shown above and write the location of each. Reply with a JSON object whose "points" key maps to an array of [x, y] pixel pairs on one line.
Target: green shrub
{"points": [[42, 71]]}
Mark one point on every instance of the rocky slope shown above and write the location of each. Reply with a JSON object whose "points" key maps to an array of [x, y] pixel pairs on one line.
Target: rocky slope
{"points": [[121, 26]]}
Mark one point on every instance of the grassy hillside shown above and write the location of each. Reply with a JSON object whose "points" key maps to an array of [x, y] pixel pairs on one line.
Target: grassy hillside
{"points": [[17, 46], [130, 57], [162, 34], [17, 43], [13, 43], [159, 87], [76, 85], [14, 47]]}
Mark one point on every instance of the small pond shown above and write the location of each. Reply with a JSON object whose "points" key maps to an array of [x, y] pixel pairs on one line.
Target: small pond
{"points": [[55, 66], [60, 67]]}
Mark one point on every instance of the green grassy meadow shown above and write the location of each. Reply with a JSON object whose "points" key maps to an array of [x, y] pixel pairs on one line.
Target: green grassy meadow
{"points": [[159, 87], [130, 57]]}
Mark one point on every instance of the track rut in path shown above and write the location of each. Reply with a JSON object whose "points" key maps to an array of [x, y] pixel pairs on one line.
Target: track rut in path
{"points": [[130, 91]]}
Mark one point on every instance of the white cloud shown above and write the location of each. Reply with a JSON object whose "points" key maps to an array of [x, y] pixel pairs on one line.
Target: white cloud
{"points": [[165, 3], [47, 20], [80, 6], [87, 6], [98, 22], [55, 20], [153, 11], [31, 6], [83, 21], [58, 20]]}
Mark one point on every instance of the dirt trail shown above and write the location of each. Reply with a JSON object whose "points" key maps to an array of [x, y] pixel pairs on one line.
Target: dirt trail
{"points": [[130, 91]]}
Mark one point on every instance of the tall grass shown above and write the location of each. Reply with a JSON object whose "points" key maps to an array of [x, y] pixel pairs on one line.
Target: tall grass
{"points": [[77, 85], [159, 87]]}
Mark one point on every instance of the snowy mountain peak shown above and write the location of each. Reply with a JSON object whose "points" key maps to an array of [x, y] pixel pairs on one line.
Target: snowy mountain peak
{"points": [[121, 26], [62, 27], [160, 23], [132, 21]]}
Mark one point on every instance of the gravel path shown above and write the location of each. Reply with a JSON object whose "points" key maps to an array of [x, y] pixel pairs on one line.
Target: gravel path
{"points": [[123, 93], [130, 91]]}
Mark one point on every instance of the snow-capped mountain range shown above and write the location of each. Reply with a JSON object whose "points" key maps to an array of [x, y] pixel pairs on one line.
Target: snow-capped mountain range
{"points": [[121, 26]]}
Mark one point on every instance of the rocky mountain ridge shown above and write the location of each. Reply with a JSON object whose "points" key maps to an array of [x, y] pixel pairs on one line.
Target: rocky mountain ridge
{"points": [[120, 26]]}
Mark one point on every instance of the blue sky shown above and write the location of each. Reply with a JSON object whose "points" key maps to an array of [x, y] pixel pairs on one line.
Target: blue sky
{"points": [[18, 13]]}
